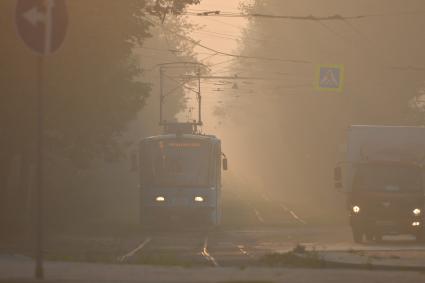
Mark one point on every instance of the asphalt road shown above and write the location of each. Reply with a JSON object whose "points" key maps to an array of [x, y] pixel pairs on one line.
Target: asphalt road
{"points": [[231, 253], [21, 271], [246, 247]]}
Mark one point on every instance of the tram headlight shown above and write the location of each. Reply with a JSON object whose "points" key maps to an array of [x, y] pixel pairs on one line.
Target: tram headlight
{"points": [[356, 209], [198, 199], [416, 211], [160, 199]]}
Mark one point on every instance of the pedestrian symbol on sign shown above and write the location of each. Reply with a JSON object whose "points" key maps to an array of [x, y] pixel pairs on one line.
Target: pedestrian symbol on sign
{"points": [[330, 77]]}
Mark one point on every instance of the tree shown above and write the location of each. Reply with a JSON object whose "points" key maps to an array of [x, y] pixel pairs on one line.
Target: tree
{"points": [[92, 90]]}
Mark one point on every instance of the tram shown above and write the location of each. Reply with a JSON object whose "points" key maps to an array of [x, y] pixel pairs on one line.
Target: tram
{"points": [[180, 177], [180, 169]]}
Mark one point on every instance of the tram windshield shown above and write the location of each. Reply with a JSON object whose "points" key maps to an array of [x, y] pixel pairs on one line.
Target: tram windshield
{"points": [[177, 163]]}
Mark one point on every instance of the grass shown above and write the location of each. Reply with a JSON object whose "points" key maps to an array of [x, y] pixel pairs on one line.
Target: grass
{"points": [[165, 259], [298, 257], [83, 257]]}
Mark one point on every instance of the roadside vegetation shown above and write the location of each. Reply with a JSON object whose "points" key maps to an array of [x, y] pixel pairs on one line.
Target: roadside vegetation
{"points": [[95, 86]]}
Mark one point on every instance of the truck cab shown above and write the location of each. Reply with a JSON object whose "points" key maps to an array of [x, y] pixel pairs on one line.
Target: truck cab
{"points": [[383, 180], [387, 198]]}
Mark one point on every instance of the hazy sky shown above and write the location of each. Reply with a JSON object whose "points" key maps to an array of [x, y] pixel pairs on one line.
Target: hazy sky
{"points": [[222, 34], [217, 32]]}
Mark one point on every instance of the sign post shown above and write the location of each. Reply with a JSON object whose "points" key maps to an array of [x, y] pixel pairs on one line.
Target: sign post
{"points": [[42, 25]]}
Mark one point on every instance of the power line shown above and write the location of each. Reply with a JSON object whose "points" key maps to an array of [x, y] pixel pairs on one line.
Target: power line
{"points": [[223, 62], [232, 37], [174, 50], [321, 20], [337, 34], [161, 50], [266, 38], [296, 61], [238, 27], [208, 57], [380, 61], [287, 17], [408, 68], [335, 17], [235, 77], [217, 35]]}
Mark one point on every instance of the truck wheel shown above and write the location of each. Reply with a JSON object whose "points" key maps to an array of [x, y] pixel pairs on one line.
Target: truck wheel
{"points": [[357, 235]]}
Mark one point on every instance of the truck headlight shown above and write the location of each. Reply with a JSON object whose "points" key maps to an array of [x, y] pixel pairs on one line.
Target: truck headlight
{"points": [[198, 199], [356, 209], [416, 211], [160, 199]]}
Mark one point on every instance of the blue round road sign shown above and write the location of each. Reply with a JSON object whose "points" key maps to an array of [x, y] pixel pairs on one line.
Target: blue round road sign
{"points": [[42, 24]]}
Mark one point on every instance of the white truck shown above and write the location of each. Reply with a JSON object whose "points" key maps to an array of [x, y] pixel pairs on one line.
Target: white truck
{"points": [[383, 178]]}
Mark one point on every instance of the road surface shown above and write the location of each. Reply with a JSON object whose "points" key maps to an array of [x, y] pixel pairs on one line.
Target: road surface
{"points": [[234, 252]]}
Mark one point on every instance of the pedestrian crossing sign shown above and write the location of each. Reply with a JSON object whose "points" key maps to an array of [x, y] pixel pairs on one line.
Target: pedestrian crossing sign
{"points": [[330, 77]]}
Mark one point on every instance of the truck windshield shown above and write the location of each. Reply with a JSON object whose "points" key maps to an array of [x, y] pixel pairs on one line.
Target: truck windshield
{"points": [[385, 178], [176, 163]]}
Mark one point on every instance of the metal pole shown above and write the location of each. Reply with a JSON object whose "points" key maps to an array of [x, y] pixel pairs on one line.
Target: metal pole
{"points": [[161, 96], [199, 97], [39, 270], [39, 227]]}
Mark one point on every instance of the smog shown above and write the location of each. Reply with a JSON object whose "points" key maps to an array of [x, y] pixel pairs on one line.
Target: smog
{"points": [[243, 140]]}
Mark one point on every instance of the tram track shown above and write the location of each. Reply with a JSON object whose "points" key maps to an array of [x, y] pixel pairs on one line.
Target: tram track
{"points": [[242, 249], [167, 245], [191, 247], [293, 214], [223, 248], [125, 258], [205, 253], [259, 217], [286, 209]]}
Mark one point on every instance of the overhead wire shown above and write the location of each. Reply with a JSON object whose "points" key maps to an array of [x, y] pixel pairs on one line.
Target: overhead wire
{"points": [[223, 62], [295, 61], [288, 17], [238, 27], [320, 20], [335, 17], [345, 19], [379, 60], [236, 56]]}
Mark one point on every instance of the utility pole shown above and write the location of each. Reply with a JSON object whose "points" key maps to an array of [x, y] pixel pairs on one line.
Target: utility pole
{"points": [[161, 96], [199, 97]]}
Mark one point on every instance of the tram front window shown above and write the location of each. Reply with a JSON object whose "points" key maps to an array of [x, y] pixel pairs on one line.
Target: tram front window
{"points": [[182, 163]]}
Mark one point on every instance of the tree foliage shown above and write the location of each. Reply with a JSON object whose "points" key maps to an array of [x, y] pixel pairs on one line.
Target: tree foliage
{"points": [[308, 128], [92, 87], [161, 8]]}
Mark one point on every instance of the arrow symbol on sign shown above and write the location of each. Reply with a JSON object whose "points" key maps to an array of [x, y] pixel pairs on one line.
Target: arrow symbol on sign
{"points": [[34, 16]]}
